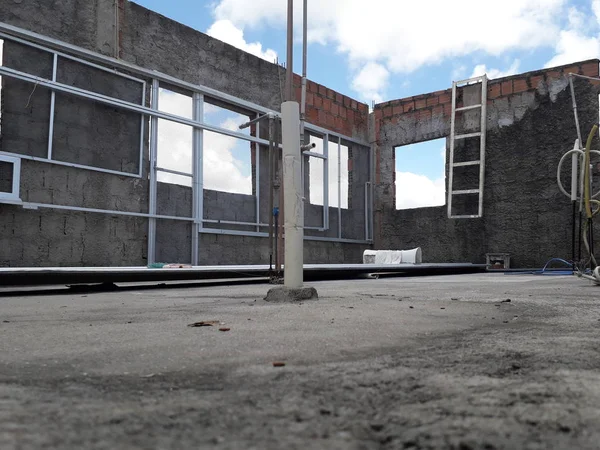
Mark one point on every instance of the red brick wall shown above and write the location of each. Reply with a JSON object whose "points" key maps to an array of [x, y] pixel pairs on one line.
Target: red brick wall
{"points": [[332, 110], [439, 103]]}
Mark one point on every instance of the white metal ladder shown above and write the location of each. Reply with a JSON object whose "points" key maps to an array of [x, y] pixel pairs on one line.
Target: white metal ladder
{"points": [[456, 85]]}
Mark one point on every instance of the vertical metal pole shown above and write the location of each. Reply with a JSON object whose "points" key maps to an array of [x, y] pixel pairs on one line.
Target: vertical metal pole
{"points": [[303, 94], [371, 190], [326, 182], [483, 129], [271, 175], [153, 187], [367, 211], [198, 176], [289, 79], [257, 170], [52, 106], [339, 184], [574, 102], [451, 156], [142, 131]]}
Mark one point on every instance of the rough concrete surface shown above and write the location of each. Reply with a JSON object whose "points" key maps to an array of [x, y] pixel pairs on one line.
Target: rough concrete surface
{"points": [[284, 294], [414, 363]]}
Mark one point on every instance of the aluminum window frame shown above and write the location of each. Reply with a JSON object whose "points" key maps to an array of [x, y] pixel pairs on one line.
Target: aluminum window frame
{"points": [[14, 195], [152, 113], [23, 76]]}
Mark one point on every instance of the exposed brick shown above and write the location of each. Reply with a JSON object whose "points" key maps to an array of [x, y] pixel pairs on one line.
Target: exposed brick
{"points": [[423, 114], [298, 94], [590, 69], [339, 97], [432, 101], [313, 87], [408, 106], [340, 125], [331, 94], [310, 98], [446, 97], [553, 74], [438, 110], [335, 109], [313, 115], [350, 164], [535, 81], [354, 104], [322, 91], [351, 115], [347, 102], [322, 118], [494, 90], [397, 110], [318, 101], [506, 88], [520, 85], [327, 104], [343, 112], [378, 114], [571, 69], [420, 104], [388, 111]]}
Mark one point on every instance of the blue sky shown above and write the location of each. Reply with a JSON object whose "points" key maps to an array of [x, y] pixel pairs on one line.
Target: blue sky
{"points": [[379, 50]]}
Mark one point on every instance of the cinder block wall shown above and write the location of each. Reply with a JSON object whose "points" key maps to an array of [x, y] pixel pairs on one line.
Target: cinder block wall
{"points": [[87, 133], [530, 126]]}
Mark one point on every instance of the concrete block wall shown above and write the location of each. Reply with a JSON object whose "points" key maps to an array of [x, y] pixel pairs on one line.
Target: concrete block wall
{"points": [[92, 134], [530, 125], [529, 122]]}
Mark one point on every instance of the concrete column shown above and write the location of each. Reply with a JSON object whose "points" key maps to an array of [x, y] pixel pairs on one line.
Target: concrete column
{"points": [[294, 205]]}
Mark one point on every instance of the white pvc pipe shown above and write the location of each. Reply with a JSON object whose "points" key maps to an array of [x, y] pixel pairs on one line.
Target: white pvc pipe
{"points": [[574, 171], [292, 200]]}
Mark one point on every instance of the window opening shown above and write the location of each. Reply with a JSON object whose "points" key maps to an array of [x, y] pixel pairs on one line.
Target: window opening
{"points": [[421, 174]]}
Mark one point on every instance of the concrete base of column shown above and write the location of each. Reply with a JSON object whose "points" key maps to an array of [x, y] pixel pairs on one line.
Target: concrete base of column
{"points": [[282, 294]]}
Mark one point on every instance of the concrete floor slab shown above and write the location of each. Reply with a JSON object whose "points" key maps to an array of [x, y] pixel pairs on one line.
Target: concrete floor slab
{"points": [[427, 362]]}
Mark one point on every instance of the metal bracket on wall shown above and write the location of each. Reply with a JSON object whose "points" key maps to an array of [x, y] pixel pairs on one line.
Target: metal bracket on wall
{"points": [[457, 86]]}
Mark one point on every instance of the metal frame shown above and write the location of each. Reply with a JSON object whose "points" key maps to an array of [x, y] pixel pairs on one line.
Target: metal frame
{"points": [[482, 144], [152, 112], [12, 196], [55, 64], [12, 32]]}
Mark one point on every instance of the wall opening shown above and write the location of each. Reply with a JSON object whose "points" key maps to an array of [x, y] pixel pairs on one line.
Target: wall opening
{"points": [[174, 146], [337, 183], [228, 162], [421, 174]]}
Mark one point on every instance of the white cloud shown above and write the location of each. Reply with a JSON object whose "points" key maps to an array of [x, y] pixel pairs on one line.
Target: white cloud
{"points": [[459, 72], [408, 35], [226, 31], [481, 69], [371, 82], [573, 43], [222, 170], [415, 191]]}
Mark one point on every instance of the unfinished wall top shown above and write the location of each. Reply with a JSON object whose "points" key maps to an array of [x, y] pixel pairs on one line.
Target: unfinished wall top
{"points": [[439, 103]]}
